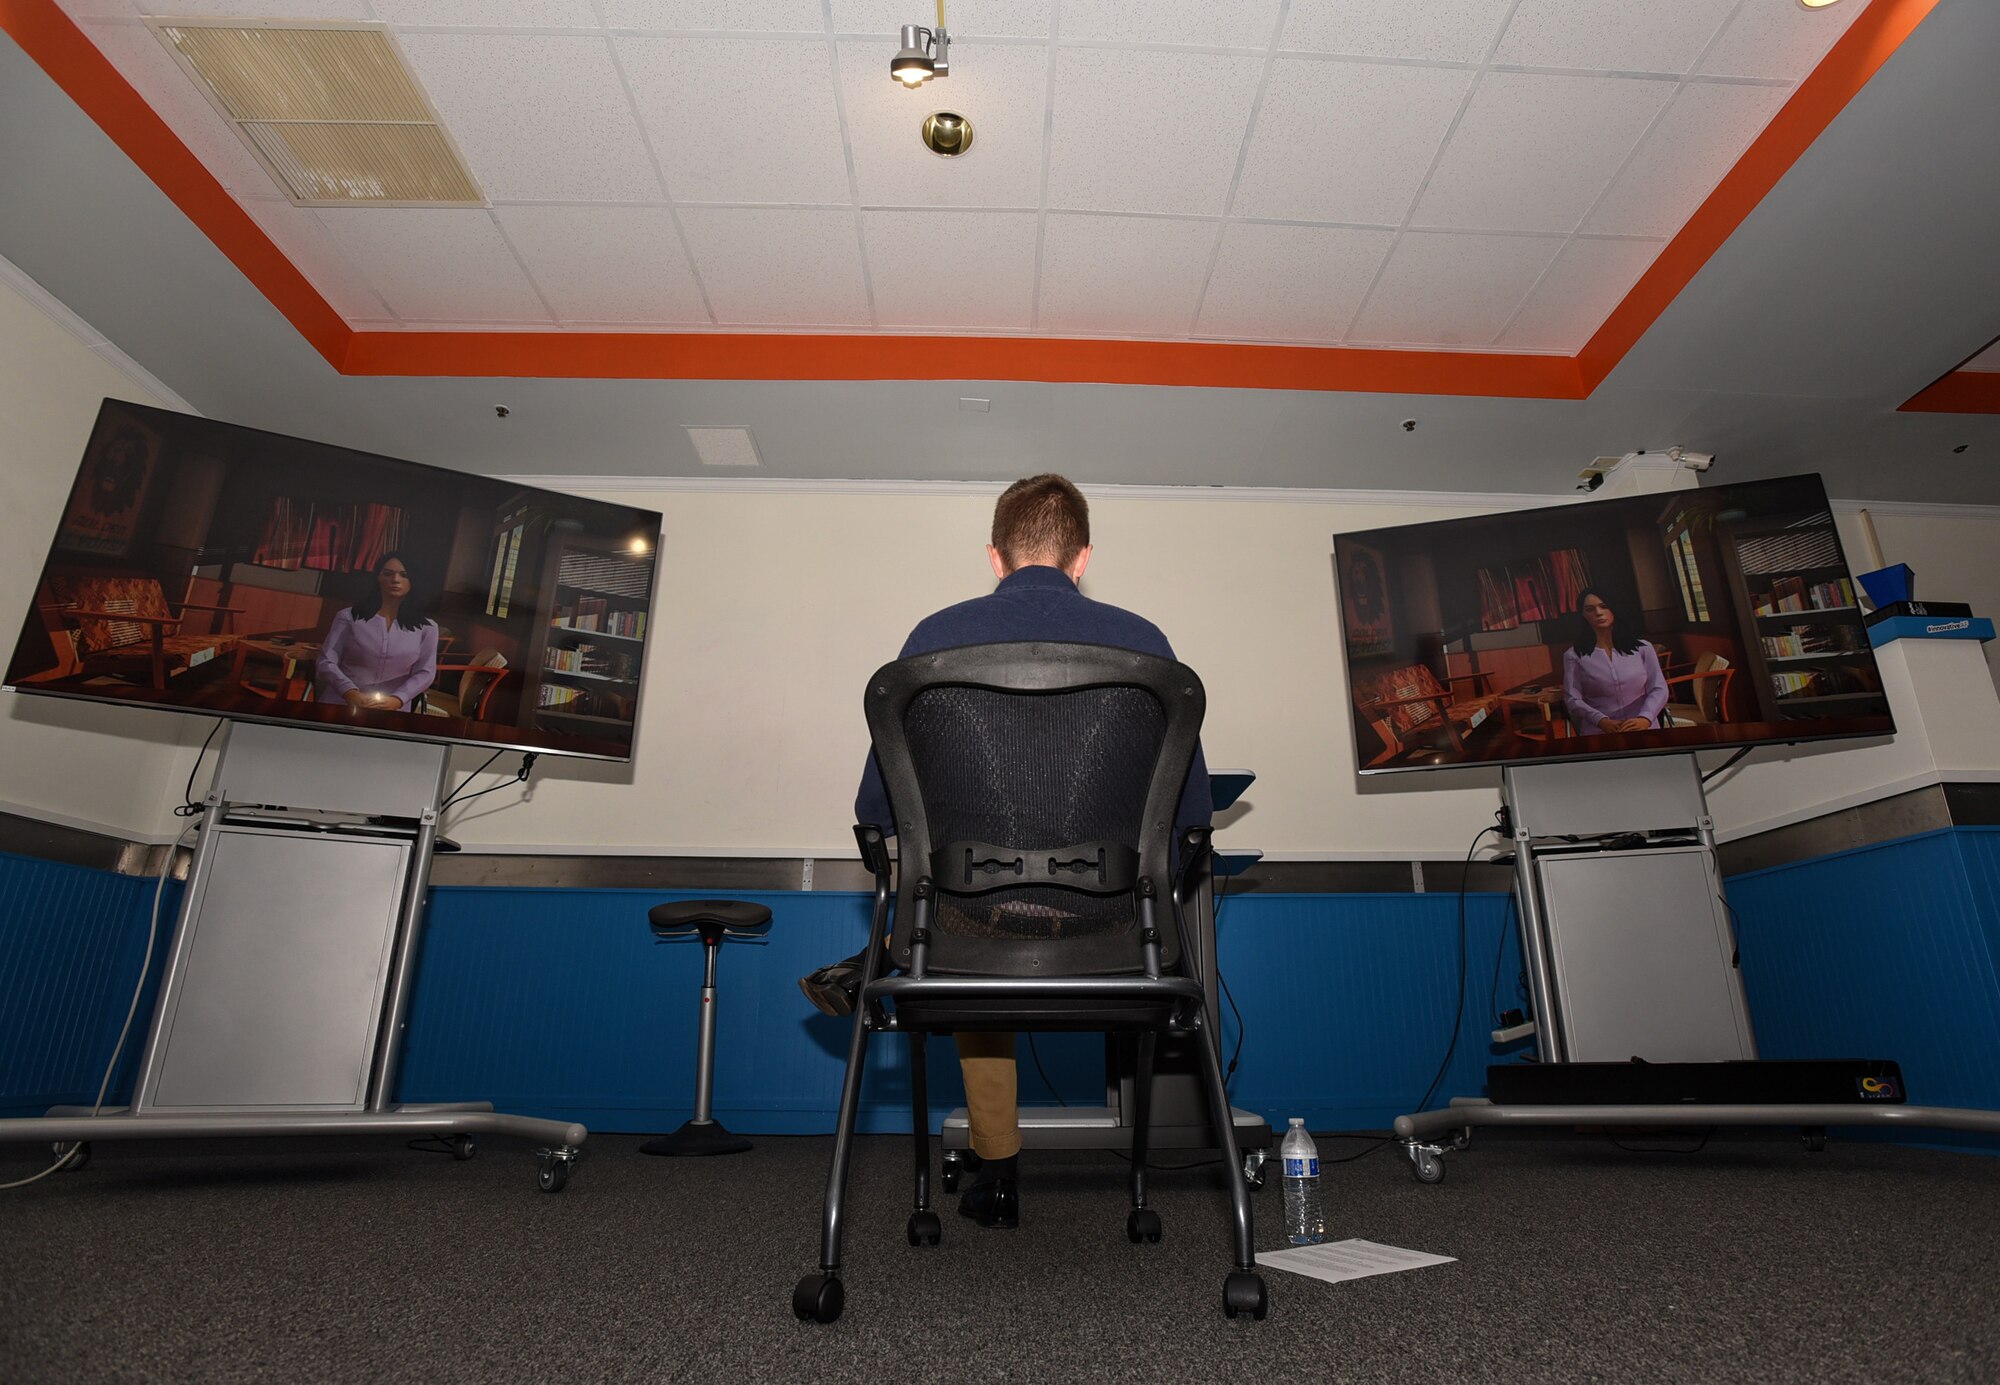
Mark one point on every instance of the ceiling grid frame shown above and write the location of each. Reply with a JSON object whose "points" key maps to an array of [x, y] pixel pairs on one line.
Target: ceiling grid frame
{"points": [[1236, 174], [847, 155]]}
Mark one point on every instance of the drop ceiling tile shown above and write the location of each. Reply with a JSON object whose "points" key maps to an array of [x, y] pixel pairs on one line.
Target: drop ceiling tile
{"points": [[1340, 141], [1587, 280], [489, 14], [1452, 290], [959, 271], [1122, 276], [1781, 42], [539, 117], [1290, 283], [1699, 139], [984, 19], [1533, 152], [1178, 119], [258, 9], [779, 266], [1241, 24], [436, 265], [716, 146], [1612, 37], [304, 240], [1456, 31], [144, 62], [729, 16], [606, 264], [1003, 92]]}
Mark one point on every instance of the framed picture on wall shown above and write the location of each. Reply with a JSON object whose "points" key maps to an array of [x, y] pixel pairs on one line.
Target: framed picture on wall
{"points": [[1364, 601], [110, 493]]}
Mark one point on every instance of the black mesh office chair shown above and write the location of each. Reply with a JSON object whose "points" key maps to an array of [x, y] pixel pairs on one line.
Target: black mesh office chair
{"points": [[1035, 787]]}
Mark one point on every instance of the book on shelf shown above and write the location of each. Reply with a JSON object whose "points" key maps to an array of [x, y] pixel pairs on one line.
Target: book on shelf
{"points": [[554, 695], [1825, 682], [1793, 593]]}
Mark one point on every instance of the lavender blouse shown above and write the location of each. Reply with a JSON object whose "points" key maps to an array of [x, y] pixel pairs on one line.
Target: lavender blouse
{"points": [[1607, 685], [376, 655]]}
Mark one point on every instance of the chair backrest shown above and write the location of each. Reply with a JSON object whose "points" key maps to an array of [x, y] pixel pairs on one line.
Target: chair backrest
{"points": [[125, 595], [1034, 786], [485, 665]]}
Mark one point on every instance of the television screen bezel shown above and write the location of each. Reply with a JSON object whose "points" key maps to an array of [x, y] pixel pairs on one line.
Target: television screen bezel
{"points": [[655, 519], [1543, 757]]}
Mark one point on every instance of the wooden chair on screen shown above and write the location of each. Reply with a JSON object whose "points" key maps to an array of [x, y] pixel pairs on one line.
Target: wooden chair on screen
{"points": [[478, 679], [1701, 697]]}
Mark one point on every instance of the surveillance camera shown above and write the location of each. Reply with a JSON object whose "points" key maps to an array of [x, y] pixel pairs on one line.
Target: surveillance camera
{"points": [[1592, 481], [1409, 425], [1693, 461]]}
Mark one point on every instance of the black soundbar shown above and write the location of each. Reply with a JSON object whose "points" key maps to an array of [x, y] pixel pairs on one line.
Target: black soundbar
{"points": [[1860, 1081]]}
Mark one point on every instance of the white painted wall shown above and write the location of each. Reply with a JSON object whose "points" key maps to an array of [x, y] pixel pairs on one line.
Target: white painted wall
{"points": [[105, 768]]}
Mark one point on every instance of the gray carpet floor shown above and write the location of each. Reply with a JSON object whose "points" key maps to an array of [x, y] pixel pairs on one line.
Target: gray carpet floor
{"points": [[1751, 1260]]}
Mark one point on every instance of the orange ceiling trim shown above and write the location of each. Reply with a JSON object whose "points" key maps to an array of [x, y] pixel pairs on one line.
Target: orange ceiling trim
{"points": [[1960, 392], [789, 356], [1869, 41], [53, 40]]}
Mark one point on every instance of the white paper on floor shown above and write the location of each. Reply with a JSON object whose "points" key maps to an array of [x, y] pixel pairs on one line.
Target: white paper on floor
{"points": [[1342, 1260]]}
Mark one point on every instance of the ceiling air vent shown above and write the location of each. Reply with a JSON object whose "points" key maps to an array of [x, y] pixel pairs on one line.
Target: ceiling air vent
{"points": [[330, 109]]}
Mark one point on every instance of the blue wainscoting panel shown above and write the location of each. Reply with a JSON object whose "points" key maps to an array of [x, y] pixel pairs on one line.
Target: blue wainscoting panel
{"points": [[71, 943], [1887, 951]]}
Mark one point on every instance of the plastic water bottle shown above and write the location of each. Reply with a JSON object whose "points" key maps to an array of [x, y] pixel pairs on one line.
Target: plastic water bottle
{"points": [[1304, 1226]]}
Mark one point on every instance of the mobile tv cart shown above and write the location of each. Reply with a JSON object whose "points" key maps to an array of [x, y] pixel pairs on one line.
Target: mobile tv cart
{"points": [[287, 989], [1179, 1116], [1630, 953]]}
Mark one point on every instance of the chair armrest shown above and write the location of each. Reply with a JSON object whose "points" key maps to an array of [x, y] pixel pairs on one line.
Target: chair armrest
{"points": [[200, 606], [89, 614], [874, 849], [1405, 700]]}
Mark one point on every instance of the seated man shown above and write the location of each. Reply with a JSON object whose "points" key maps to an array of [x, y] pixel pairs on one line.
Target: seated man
{"points": [[1039, 550]]}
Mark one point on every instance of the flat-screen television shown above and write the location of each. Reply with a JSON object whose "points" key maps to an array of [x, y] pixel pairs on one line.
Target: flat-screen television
{"points": [[210, 568], [1672, 622]]}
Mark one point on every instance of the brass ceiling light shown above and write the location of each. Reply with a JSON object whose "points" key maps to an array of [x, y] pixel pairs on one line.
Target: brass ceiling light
{"points": [[925, 53], [1818, 4], [947, 134]]}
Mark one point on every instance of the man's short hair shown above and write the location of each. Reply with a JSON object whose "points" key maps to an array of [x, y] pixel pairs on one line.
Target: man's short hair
{"points": [[1041, 519]]}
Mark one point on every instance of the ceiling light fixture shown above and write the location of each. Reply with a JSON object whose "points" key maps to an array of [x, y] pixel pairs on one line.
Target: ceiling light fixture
{"points": [[926, 53], [947, 134], [1818, 4]]}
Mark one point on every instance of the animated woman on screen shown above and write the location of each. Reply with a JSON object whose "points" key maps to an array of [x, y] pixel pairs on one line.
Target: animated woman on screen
{"points": [[381, 652], [1611, 677]]}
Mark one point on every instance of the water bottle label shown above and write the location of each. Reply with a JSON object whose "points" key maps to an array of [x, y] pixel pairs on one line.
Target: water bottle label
{"points": [[1302, 1168]]}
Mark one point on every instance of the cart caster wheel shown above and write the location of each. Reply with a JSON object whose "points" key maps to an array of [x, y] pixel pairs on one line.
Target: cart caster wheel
{"points": [[1428, 1167], [1461, 1138], [924, 1229], [1814, 1139], [554, 1174], [463, 1147], [1143, 1225], [75, 1157], [818, 1298], [1243, 1293]]}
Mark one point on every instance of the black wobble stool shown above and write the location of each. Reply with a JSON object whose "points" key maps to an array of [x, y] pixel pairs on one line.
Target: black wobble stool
{"points": [[711, 920]]}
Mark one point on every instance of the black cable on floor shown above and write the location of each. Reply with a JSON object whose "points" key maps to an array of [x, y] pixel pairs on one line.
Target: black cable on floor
{"points": [[1458, 1014]]}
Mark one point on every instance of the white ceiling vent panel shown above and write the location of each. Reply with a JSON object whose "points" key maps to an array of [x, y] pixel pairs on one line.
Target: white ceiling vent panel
{"points": [[331, 109]]}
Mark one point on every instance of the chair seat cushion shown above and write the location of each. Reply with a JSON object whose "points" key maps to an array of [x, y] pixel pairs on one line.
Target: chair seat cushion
{"points": [[688, 915]]}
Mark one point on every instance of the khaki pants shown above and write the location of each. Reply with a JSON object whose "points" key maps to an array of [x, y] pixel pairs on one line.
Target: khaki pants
{"points": [[987, 1060]]}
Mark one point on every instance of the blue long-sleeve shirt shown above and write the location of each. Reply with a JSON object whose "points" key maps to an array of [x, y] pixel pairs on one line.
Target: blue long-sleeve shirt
{"points": [[1035, 603]]}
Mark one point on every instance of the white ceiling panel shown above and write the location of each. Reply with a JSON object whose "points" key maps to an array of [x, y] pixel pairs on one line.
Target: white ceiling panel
{"points": [[1579, 291], [621, 265], [1534, 152], [1701, 136], [965, 19], [1211, 23], [716, 146], [489, 14], [436, 265], [144, 61], [727, 16], [1616, 38], [1779, 42], [779, 266], [312, 249], [539, 117], [1452, 290], [1454, 31], [1004, 91], [1342, 141], [1146, 131], [952, 271], [266, 9], [1290, 283], [1122, 276]]}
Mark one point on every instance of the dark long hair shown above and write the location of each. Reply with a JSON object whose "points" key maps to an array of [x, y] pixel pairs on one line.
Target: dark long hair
{"points": [[1624, 638], [411, 615]]}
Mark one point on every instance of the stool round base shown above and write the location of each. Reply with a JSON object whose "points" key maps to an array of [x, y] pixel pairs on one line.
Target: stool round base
{"points": [[710, 1137]]}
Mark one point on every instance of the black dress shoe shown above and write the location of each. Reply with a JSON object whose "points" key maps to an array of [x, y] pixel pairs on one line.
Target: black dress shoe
{"points": [[834, 989], [994, 1203]]}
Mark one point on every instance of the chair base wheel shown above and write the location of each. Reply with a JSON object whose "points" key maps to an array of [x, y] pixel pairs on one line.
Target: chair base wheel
{"points": [[818, 1298], [1243, 1293], [1143, 1225], [924, 1229]]}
